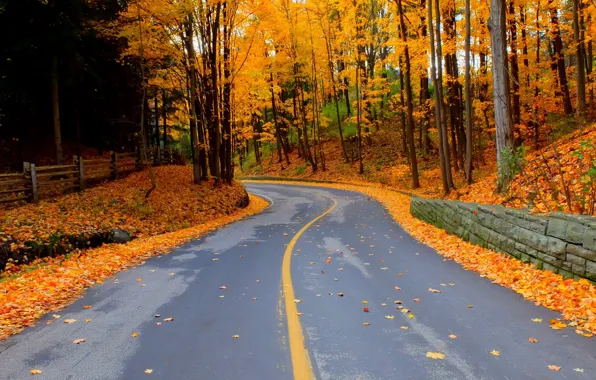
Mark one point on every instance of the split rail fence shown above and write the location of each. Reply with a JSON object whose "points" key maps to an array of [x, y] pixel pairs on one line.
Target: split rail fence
{"points": [[36, 182]]}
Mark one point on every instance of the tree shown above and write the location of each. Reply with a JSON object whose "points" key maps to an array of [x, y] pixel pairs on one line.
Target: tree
{"points": [[468, 100], [410, 103], [504, 136]]}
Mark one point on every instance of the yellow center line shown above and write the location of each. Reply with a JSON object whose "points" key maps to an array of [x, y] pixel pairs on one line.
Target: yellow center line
{"points": [[301, 364]]}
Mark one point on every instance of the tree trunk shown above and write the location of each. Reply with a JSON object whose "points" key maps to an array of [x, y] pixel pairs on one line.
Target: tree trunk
{"points": [[559, 57], [468, 100], [439, 90], [409, 101], [56, 111], [580, 69], [516, 109], [438, 108], [497, 27], [194, 135], [164, 112]]}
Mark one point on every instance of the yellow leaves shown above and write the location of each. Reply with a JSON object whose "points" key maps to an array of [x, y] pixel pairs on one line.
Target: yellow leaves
{"points": [[134, 334], [235, 336], [366, 323], [69, 321], [537, 320], [403, 327], [169, 319], [553, 367], [557, 325], [87, 307], [390, 317], [533, 340], [434, 290], [148, 371], [452, 336], [495, 353], [79, 341], [411, 316], [580, 370], [35, 371], [435, 355], [364, 302]]}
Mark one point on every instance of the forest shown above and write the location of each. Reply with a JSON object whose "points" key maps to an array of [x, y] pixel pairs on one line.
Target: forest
{"points": [[228, 82]]}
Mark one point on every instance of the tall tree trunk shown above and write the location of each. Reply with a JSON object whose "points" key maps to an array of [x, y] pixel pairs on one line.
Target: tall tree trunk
{"points": [[156, 130], [516, 109], [589, 65], [497, 27], [164, 112], [409, 101], [192, 74], [143, 103], [468, 100], [56, 111], [424, 91], [439, 90], [402, 112], [277, 129], [579, 52], [559, 57], [438, 108]]}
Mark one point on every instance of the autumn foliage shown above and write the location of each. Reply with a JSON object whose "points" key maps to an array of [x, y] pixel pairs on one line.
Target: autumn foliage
{"points": [[176, 203]]}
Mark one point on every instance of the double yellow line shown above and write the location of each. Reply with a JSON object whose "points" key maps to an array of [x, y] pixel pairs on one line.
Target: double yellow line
{"points": [[301, 364]]}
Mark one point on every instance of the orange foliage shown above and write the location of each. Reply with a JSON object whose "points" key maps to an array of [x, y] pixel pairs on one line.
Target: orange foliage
{"points": [[58, 281], [176, 203]]}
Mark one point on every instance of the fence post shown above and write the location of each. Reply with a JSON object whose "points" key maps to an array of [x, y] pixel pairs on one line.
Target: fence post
{"points": [[78, 161], [114, 164], [33, 173]]}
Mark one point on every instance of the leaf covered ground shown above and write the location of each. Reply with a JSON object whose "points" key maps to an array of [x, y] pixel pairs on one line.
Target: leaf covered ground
{"points": [[176, 203], [575, 300], [50, 284]]}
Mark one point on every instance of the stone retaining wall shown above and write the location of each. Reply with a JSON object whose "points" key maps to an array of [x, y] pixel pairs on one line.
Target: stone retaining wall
{"points": [[562, 243]]}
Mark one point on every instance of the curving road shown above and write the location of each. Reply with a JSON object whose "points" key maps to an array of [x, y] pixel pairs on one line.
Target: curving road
{"points": [[276, 262]]}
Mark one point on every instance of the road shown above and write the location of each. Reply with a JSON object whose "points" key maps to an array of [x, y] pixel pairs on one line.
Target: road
{"points": [[247, 299]]}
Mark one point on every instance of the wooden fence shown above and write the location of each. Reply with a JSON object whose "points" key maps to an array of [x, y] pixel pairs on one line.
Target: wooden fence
{"points": [[36, 182]]}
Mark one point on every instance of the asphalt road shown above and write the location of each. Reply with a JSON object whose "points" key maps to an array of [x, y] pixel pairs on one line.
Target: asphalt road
{"points": [[243, 332]]}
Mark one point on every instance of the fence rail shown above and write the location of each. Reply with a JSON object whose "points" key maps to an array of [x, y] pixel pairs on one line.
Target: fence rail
{"points": [[40, 181]]}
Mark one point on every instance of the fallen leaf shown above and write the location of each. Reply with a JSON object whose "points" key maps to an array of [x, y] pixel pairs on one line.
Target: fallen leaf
{"points": [[533, 340], [87, 320], [553, 367], [537, 320], [397, 288], [390, 316], [470, 306], [69, 321], [169, 319], [557, 325], [148, 371], [328, 260], [398, 302], [55, 316], [300, 314], [254, 298], [297, 300], [434, 290], [404, 327], [495, 353], [435, 355], [366, 324], [365, 302], [366, 310], [235, 336], [384, 268], [79, 341], [452, 336], [340, 294], [134, 334], [416, 299], [312, 263], [411, 316], [581, 370], [35, 371], [157, 315], [223, 287], [139, 279], [87, 307]]}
